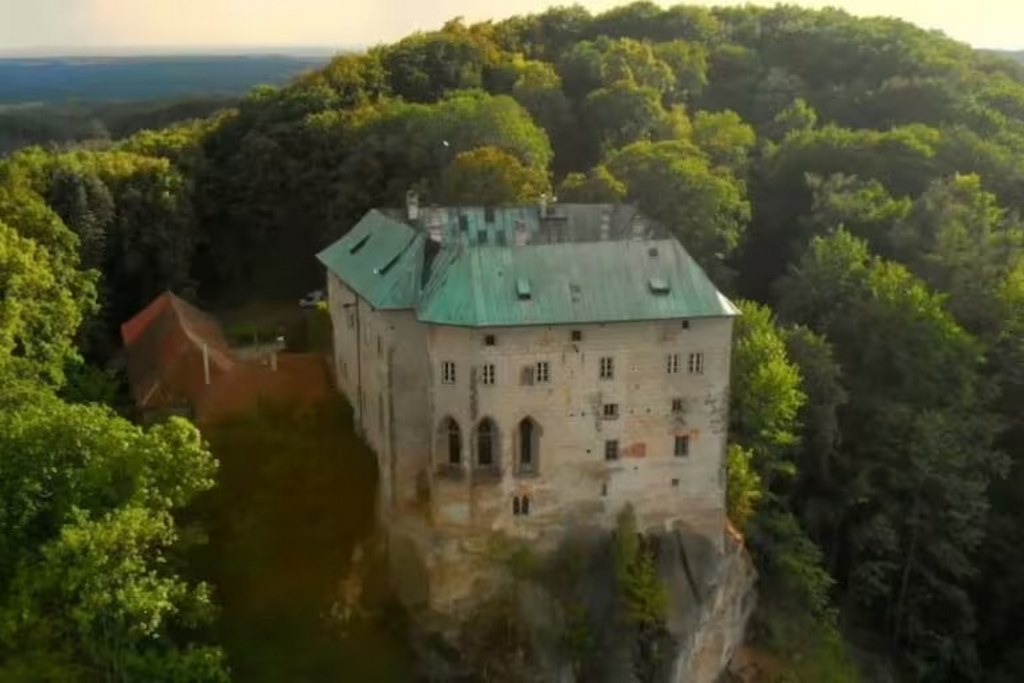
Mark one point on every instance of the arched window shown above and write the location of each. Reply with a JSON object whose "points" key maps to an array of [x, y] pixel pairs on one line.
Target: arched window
{"points": [[529, 445], [453, 436], [524, 506], [515, 506], [486, 443]]}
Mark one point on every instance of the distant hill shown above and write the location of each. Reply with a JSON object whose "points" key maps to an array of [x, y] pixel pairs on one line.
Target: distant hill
{"points": [[1017, 55], [102, 79]]}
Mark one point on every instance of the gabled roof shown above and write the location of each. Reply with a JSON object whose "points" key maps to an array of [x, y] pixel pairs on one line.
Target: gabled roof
{"points": [[163, 342], [479, 267], [380, 258]]}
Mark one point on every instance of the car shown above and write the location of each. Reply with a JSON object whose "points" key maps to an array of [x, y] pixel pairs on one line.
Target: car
{"points": [[312, 299]]}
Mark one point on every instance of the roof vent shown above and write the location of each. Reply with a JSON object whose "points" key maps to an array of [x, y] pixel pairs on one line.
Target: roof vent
{"points": [[658, 286], [412, 205], [523, 289]]}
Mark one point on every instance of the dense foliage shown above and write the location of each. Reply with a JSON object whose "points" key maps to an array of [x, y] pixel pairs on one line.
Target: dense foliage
{"points": [[858, 182]]}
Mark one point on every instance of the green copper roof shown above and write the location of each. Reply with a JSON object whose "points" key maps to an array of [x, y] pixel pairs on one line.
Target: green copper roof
{"points": [[564, 274], [380, 258], [547, 284]]}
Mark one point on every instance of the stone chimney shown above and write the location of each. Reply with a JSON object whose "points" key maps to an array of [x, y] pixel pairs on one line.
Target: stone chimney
{"points": [[412, 205], [522, 235]]}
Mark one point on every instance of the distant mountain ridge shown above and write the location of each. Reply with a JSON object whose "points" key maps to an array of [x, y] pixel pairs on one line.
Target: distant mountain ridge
{"points": [[102, 79]]}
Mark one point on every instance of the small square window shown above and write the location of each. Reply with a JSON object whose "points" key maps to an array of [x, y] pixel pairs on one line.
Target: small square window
{"points": [[607, 367], [489, 340], [611, 449], [686, 324], [696, 364], [681, 449], [487, 373], [677, 405], [448, 372], [610, 411], [675, 483], [672, 363], [543, 372], [576, 335]]}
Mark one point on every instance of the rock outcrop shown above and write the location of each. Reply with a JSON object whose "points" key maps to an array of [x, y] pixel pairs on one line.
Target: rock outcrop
{"points": [[710, 591], [711, 598]]}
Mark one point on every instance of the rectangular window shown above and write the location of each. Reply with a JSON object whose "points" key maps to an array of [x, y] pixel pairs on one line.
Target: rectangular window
{"points": [[681, 449], [610, 411], [686, 324], [344, 369], [487, 374], [448, 372], [489, 340], [696, 364], [576, 335], [607, 367], [611, 449], [543, 372], [677, 405], [672, 363], [350, 318], [380, 346], [526, 375]]}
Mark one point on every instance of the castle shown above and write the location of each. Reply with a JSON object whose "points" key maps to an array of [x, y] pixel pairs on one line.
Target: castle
{"points": [[522, 371]]}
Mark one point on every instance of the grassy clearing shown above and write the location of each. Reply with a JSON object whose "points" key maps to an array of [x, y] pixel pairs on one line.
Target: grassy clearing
{"points": [[295, 494]]}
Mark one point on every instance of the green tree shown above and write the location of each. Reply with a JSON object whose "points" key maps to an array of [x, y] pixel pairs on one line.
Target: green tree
{"points": [[90, 552], [674, 183], [918, 473], [488, 175], [597, 186], [41, 309]]}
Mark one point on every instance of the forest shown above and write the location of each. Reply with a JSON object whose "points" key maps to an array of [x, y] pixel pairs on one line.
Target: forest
{"points": [[856, 185]]}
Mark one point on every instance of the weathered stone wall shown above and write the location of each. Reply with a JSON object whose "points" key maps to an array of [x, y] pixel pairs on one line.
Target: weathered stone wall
{"points": [[573, 482]]}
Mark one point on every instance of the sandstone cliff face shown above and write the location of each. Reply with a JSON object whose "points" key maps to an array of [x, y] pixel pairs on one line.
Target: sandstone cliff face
{"points": [[711, 594], [710, 601]]}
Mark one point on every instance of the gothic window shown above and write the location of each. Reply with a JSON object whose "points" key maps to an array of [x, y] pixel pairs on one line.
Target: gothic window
{"points": [[486, 443], [529, 445], [452, 441]]}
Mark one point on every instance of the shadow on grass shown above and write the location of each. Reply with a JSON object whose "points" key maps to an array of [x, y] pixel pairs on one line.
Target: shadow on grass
{"points": [[295, 495]]}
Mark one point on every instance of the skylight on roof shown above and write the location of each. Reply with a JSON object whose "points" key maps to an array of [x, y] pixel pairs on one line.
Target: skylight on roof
{"points": [[658, 285], [360, 244], [523, 289]]}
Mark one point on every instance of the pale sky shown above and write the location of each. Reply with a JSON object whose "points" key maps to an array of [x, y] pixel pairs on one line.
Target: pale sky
{"points": [[94, 25]]}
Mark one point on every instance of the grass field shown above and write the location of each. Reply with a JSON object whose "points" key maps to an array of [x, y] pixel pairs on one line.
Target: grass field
{"points": [[295, 494]]}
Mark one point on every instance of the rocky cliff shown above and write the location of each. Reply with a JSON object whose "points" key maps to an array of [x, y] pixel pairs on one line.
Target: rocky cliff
{"points": [[559, 618]]}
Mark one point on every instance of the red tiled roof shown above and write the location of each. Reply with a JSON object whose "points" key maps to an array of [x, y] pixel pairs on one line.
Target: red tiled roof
{"points": [[165, 343], [301, 379]]}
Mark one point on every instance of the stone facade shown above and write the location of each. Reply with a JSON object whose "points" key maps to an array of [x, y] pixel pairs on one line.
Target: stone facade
{"points": [[423, 394]]}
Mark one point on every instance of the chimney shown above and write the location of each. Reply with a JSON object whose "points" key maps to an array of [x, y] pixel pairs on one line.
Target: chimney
{"points": [[639, 227], [206, 364], [522, 236], [412, 205], [606, 225]]}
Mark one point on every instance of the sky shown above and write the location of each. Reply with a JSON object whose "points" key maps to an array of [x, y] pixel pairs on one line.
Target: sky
{"points": [[114, 26]]}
